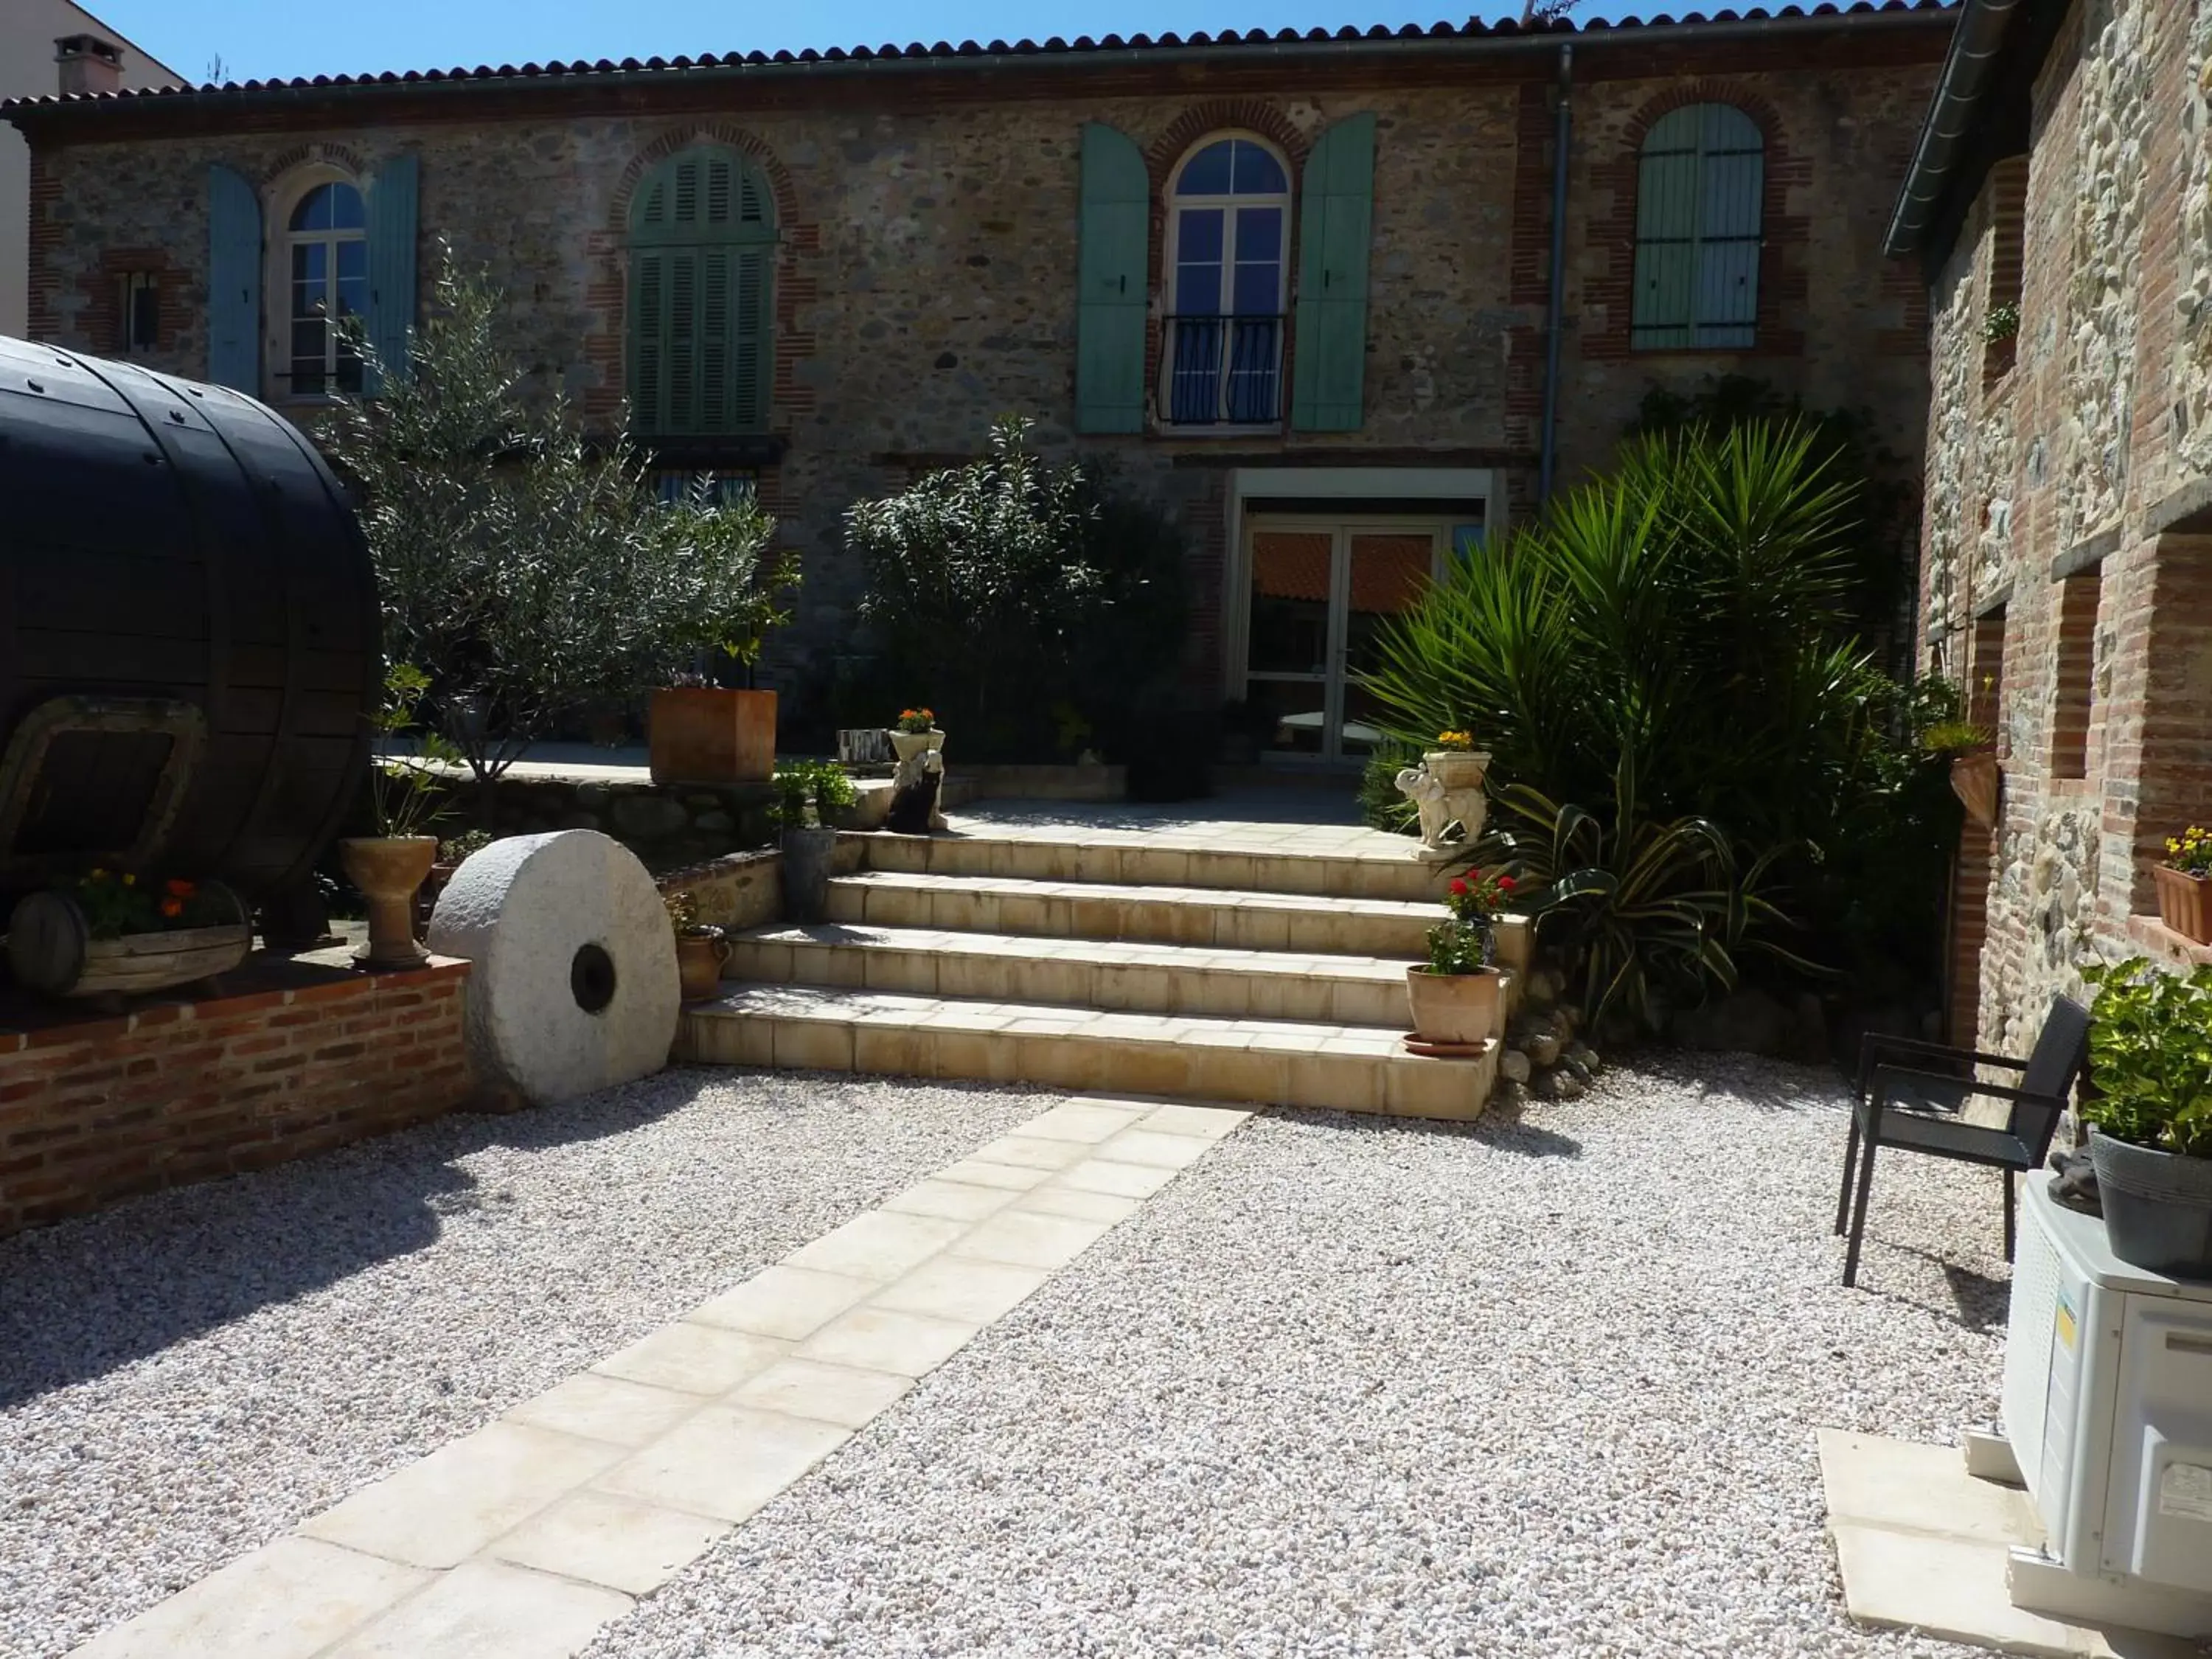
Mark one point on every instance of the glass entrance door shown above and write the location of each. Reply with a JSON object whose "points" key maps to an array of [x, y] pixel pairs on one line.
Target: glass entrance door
{"points": [[1319, 594]]}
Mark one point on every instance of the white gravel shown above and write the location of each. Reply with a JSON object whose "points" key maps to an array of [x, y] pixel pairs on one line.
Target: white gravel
{"points": [[1357, 1387], [185, 1377]]}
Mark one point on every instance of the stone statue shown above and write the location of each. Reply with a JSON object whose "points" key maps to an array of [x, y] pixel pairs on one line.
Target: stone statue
{"points": [[1440, 806], [913, 794]]}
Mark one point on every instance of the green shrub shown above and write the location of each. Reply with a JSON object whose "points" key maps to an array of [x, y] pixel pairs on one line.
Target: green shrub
{"points": [[2150, 1057], [1381, 806], [1010, 594], [810, 792]]}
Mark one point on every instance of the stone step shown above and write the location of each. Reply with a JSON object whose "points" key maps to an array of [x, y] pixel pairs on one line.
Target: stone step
{"points": [[1125, 976], [1304, 923], [1196, 1057], [1136, 859]]}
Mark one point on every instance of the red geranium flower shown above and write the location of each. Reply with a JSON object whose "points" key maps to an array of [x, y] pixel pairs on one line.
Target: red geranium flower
{"points": [[1505, 882], [1459, 887]]}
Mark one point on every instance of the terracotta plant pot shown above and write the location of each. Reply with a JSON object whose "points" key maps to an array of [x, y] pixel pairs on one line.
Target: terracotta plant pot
{"points": [[1454, 1008], [388, 869], [1977, 781], [906, 745], [2182, 903], [711, 734], [51, 949], [1457, 769], [700, 955]]}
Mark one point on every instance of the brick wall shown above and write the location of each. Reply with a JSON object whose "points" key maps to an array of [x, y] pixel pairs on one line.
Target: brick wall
{"points": [[2067, 483], [927, 283], [97, 1110]]}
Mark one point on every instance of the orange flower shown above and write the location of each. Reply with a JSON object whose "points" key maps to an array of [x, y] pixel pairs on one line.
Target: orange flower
{"points": [[172, 908], [181, 890]]}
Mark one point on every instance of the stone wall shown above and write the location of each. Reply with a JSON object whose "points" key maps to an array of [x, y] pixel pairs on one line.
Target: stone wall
{"points": [[2063, 549], [668, 827], [96, 1109], [927, 283]]}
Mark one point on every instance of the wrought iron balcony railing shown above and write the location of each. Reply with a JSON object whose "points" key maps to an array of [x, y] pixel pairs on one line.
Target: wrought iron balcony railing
{"points": [[1222, 371]]}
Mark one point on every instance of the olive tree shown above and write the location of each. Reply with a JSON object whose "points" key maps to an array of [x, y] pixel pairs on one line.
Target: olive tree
{"points": [[523, 567]]}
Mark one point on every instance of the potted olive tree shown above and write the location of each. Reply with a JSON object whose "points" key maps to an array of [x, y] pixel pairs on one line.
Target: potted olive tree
{"points": [[809, 793], [2149, 1109], [1455, 994]]}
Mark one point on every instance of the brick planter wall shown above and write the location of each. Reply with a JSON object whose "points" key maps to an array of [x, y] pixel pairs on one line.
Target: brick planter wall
{"points": [[97, 1110]]}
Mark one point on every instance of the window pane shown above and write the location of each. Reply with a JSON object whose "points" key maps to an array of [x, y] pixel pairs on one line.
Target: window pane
{"points": [[1198, 238], [1259, 290], [1259, 234], [313, 212], [1209, 171], [353, 260], [345, 208], [307, 339], [308, 261], [1257, 172], [353, 295], [1198, 290], [1290, 601]]}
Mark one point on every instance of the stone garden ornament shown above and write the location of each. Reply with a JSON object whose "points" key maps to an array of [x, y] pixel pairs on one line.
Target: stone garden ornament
{"points": [[917, 786], [1447, 790]]}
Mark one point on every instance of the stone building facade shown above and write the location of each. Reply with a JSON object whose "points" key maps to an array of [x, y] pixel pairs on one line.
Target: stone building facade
{"points": [[929, 239], [2066, 577]]}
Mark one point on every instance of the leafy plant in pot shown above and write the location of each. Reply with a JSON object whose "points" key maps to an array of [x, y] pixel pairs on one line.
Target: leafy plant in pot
{"points": [[1977, 779], [110, 933], [807, 793], [2149, 1109], [1454, 996], [702, 948], [915, 730], [407, 796], [2185, 881]]}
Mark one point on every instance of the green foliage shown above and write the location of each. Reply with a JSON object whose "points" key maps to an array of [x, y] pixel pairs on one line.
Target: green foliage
{"points": [[808, 792], [1010, 588], [1654, 915], [405, 790], [2002, 324], [1467, 941], [454, 849], [2150, 1057], [116, 903], [1381, 806], [1955, 737], [524, 569]]}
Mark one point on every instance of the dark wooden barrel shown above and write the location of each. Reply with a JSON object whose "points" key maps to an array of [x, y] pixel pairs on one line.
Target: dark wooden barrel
{"points": [[188, 631]]}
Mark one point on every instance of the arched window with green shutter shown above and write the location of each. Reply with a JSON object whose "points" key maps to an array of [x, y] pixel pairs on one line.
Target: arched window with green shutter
{"points": [[1700, 183], [702, 269]]}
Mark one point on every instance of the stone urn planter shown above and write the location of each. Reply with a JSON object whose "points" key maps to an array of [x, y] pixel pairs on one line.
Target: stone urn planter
{"points": [[711, 734], [906, 745], [388, 869], [701, 952], [2181, 903], [1457, 769], [1454, 1010], [2158, 1206], [917, 787], [51, 948], [1978, 782]]}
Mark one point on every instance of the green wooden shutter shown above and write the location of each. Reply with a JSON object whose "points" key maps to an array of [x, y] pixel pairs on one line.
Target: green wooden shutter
{"points": [[648, 340], [234, 355], [753, 357], [1337, 207], [1111, 304], [391, 215], [702, 339], [1699, 187]]}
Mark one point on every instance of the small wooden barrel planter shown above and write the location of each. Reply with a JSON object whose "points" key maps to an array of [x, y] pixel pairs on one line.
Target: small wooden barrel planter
{"points": [[51, 949], [2181, 903]]}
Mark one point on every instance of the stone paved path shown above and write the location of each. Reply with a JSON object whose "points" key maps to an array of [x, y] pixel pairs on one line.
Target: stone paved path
{"points": [[523, 1539]]}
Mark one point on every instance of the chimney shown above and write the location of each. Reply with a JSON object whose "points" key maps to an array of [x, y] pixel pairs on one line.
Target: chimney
{"points": [[87, 64]]}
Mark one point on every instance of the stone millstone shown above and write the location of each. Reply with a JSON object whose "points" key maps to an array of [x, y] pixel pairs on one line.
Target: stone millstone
{"points": [[573, 985]]}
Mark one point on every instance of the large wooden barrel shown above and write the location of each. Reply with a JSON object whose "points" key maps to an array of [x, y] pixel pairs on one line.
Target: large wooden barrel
{"points": [[188, 631]]}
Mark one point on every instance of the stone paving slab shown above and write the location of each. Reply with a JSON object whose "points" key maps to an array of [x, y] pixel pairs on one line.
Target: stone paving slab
{"points": [[521, 1541]]}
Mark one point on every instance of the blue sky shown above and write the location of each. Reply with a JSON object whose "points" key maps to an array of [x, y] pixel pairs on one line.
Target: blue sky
{"points": [[260, 38]]}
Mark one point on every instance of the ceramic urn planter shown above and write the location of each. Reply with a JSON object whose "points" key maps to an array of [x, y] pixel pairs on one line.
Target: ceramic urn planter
{"points": [[700, 953], [1454, 1010], [906, 745], [1977, 781], [2182, 903], [388, 869]]}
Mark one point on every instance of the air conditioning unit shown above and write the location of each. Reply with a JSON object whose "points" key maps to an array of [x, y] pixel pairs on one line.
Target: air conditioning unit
{"points": [[2108, 1413]]}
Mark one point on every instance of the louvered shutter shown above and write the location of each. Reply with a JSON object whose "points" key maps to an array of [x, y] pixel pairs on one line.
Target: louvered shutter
{"points": [[1336, 211], [1700, 184], [234, 282], [391, 215], [752, 359], [1111, 298], [648, 340], [702, 275]]}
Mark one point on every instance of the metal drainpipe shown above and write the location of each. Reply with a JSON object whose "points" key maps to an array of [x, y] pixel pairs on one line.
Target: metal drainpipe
{"points": [[1557, 299]]}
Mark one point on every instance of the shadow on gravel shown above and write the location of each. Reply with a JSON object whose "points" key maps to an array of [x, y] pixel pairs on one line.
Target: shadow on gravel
{"points": [[86, 1296], [1978, 1303], [1527, 1139]]}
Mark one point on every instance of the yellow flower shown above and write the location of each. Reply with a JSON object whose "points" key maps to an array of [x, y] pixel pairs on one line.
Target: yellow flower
{"points": [[130, 880]]}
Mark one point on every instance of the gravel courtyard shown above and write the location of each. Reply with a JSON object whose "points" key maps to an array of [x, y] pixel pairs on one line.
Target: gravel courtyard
{"points": [[1349, 1386]]}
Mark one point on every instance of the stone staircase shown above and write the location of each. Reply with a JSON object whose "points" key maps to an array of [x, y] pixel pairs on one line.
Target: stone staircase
{"points": [[1124, 961]]}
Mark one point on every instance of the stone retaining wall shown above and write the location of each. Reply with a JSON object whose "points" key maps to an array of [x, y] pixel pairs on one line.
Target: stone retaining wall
{"points": [[175, 1091], [668, 827]]}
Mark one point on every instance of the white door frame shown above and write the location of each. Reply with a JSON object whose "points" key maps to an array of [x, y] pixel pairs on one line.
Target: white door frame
{"points": [[1332, 484]]}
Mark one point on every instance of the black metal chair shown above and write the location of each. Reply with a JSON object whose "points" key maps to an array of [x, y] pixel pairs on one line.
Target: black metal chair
{"points": [[1913, 1102]]}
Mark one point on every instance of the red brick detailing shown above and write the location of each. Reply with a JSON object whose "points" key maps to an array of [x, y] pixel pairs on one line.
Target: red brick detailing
{"points": [[97, 1110], [102, 318], [1985, 672], [2007, 216], [606, 296], [2175, 788], [1782, 273], [321, 152], [43, 319], [2077, 675], [1970, 925]]}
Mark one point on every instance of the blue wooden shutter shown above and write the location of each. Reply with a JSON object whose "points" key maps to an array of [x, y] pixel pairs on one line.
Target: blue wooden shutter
{"points": [[392, 223], [1336, 208], [1116, 236], [234, 354], [1700, 183]]}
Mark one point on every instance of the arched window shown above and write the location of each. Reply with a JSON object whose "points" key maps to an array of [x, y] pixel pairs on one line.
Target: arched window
{"points": [[323, 255], [1228, 221], [1699, 184], [702, 242]]}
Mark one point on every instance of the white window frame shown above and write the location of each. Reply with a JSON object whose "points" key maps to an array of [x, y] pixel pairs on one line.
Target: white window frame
{"points": [[1171, 273], [283, 201]]}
